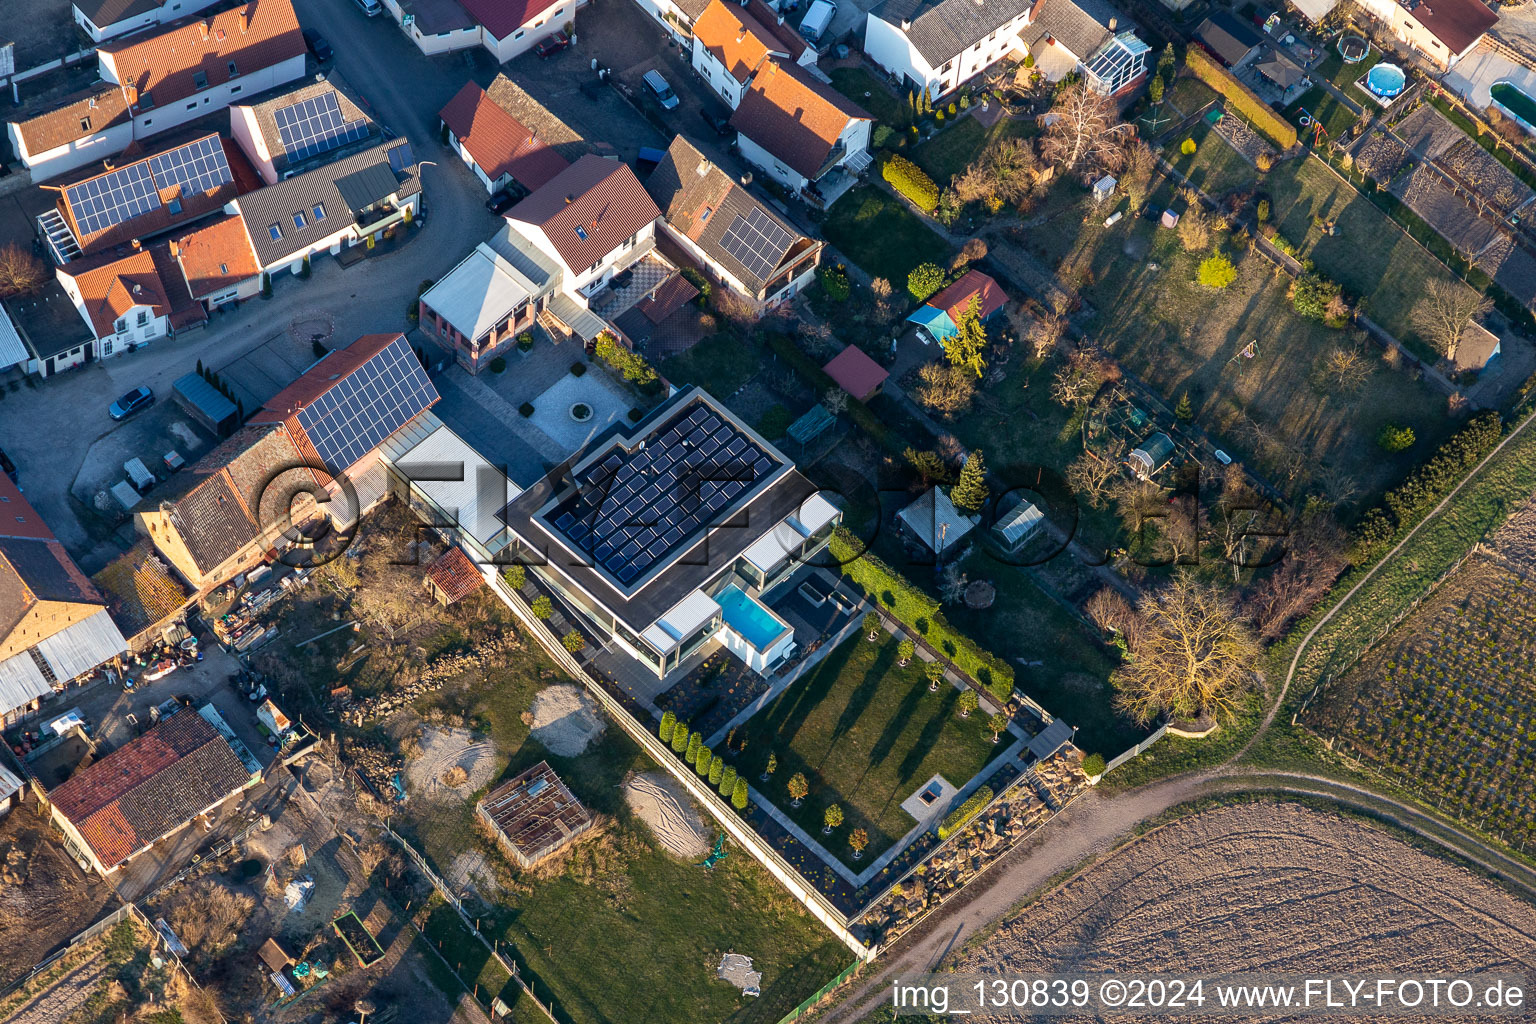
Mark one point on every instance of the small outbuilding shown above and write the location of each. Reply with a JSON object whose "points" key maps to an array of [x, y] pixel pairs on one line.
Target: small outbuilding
{"points": [[1148, 458], [1228, 37], [1103, 188], [205, 404], [11, 790], [934, 521], [534, 815], [1015, 528], [452, 576], [856, 373], [1477, 349]]}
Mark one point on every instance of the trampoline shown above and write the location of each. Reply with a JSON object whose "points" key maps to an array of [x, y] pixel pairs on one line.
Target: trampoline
{"points": [[1386, 80], [1353, 49]]}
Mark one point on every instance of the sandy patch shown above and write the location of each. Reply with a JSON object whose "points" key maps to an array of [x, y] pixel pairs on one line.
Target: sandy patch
{"points": [[472, 870], [452, 763], [565, 719], [665, 806]]}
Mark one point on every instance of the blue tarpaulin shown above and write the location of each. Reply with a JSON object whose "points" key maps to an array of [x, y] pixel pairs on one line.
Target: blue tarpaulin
{"points": [[935, 321]]}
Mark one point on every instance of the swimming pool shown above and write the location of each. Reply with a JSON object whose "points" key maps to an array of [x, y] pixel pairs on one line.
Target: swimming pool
{"points": [[1386, 80], [748, 619], [1515, 102]]}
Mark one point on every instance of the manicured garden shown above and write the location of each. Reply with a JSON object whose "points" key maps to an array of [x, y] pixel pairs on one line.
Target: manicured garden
{"points": [[954, 149], [874, 230], [866, 733], [870, 93]]}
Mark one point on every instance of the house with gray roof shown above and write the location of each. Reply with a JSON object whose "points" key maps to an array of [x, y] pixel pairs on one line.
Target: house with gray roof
{"points": [[332, 207], [311, 124], [939, 44], [1090, 37]]}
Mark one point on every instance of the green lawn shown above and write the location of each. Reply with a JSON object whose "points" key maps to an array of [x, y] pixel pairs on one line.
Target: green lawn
{"points": [[1189, 94], [883, 237], [621, 890], [1214, 166], [1367, 254], [872, 94], [867, 733], [721, 363], [1323, 106], [1344, 76], [954, 149]]}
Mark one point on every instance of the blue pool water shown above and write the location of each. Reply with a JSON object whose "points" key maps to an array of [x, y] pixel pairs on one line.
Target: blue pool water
{"points": [[1385, 80], [748, 618]]}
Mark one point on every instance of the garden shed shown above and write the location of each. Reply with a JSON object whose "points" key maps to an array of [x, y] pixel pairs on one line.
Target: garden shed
{"points": [[205, 404], [452, 576], [1149, 457], [1103, 188], [933, 520], [856, 373], [1015, 528], [1477, 348]]}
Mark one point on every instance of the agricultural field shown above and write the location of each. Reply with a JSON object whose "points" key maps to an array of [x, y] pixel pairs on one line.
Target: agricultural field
{"points": [[1443, 705], [867, 733], [1281, 887]]}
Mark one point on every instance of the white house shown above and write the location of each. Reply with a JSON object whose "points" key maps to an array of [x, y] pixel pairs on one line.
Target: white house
{"points": [[939, 44], [1442, 30], [505, 28], [1090, 37], [593, 219], [121, 298], [501, 151], [267, 131], [732, 41], [802, 132], [676, 16], [159, 78], [104, 19], [712, 217]]}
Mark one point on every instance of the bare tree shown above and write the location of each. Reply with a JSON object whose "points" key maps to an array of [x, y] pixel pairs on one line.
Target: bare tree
{"points": [[816, 338], [1085, 137], [945, 390], [1090, 478], [1136, 178], [885, 306], [1080, 378], [1444, 312], [1194, 657], [952, 584], [1313, 560], [20, 272], [835, 401], [734, 307], [1344, 369], [1110, 611], [1195, 228]]}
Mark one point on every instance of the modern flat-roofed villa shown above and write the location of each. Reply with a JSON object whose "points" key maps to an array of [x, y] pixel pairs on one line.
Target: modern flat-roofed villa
{"points": [[667, 537]]}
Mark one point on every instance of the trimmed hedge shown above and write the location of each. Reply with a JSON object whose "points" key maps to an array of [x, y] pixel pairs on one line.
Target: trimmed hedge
{"points": [[958, 817], [1263, 118], [920, 614], [911, 181]]}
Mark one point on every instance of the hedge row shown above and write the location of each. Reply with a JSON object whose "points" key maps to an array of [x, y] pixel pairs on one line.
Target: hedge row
{"points": [[958, 817], [1263, 118], [919, 613], [629, 365], [1427, 484], [911, 181]]}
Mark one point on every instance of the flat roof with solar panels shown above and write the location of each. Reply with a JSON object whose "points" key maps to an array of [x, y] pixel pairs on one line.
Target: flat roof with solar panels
{"points": [[639, 520]]}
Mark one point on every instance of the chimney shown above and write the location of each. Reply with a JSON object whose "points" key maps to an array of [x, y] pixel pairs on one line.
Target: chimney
{"points": [[906, 24], [175, 249], [202, 28], [569, 199], [1113, 21], [742, 36], [245, 19], [137, 245], [781, 17]]}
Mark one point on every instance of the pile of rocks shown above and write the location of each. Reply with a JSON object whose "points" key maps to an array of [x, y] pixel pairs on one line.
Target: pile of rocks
{"points": [[439, 671], [377, 766], [15, 866], [994, 832]]}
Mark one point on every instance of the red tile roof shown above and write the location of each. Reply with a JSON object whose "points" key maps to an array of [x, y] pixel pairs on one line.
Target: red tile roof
{"points": [[741, 38], [954, 299], [1456, 23], [499, 142], [588, 210], [164, 62], [503, 17], [795, 116], [17, 516], [112, 284], [455, 575], [80, 116], [855, 372], [216, 256], [150, 786]]}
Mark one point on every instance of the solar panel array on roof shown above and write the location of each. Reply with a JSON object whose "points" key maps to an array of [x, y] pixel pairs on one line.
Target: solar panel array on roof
{"points": [[757, 242], [112, 198], [401, 157], [359, 411], [197, 167], [315, 125], [636, 508]]}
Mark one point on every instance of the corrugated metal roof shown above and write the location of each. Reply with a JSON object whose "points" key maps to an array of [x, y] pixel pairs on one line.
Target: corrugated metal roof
{"points": [[477, 490], [21, 683], [480, 292], [12, 351], [205, 397], [77, 649]]}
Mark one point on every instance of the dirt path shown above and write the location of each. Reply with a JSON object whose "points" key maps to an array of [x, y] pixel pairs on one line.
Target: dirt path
{"points": [[65, 996]]}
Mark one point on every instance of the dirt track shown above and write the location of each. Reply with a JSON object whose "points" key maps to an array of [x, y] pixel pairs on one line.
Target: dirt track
{"points": [[56, 900], [1267, 887]]}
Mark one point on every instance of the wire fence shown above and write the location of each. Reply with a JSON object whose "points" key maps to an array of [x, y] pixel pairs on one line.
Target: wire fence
{"points": [[821, 993]]}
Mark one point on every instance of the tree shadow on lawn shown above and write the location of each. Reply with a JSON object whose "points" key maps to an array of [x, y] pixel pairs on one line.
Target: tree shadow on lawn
{"points": [[929, 737], [864, 694]]}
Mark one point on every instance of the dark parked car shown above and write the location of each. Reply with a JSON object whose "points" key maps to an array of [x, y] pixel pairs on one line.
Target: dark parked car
{"points": [[553, 45], [317, 45], [719, 125], [132, 402], [500, 202]]}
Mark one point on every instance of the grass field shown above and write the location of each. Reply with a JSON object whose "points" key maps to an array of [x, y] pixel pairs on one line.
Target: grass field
{"points": [[953, 150], [1319, 103], [721, 363], [1367, 254], [1214, 166], [1189, 94], [622, 890], [870, 93], [880, 235], [866, 733]]}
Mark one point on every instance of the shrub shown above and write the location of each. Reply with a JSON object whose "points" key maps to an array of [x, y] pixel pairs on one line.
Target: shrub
{"points": [[699, 281], [526, 409], [1247, 103], [920, 613], [924, 280], [739, 795], [774, 423], [629, 365], [716, 770], [574, 642], [1217, 271], [691, 752], [668, 726], [951, 110], [1093, 765], [728, 781], [834, 281], [1265, 162], [578, 368], [516, 576], [958, 817], [542, 607], [1262, 210], [705, 759], [911, 181], [1187, 147], [1394, 438], [680, 738], [1311, 293], [881, 136], [498, 365]]}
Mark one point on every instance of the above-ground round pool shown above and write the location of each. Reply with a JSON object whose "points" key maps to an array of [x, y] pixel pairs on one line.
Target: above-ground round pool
{"points": [[1353, 49], [1386, 80]]}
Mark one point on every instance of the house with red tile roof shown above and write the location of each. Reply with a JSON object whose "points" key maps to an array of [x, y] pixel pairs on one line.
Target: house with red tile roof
{"points": [[452, 576], [937, 319], [1442, 30], [107, 19], [505, 28], [733, 41], [217, 262], [54, 624], [159, 78], [801, 132], [503, 152], [149, 789], [121, 297]]}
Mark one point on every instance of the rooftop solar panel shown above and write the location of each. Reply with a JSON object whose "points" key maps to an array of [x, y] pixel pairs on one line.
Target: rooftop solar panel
{"points": [[108, 200], [198, 167], [401, 157], [359, 411], [757, 242], [315, 125], [635, 509]]}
